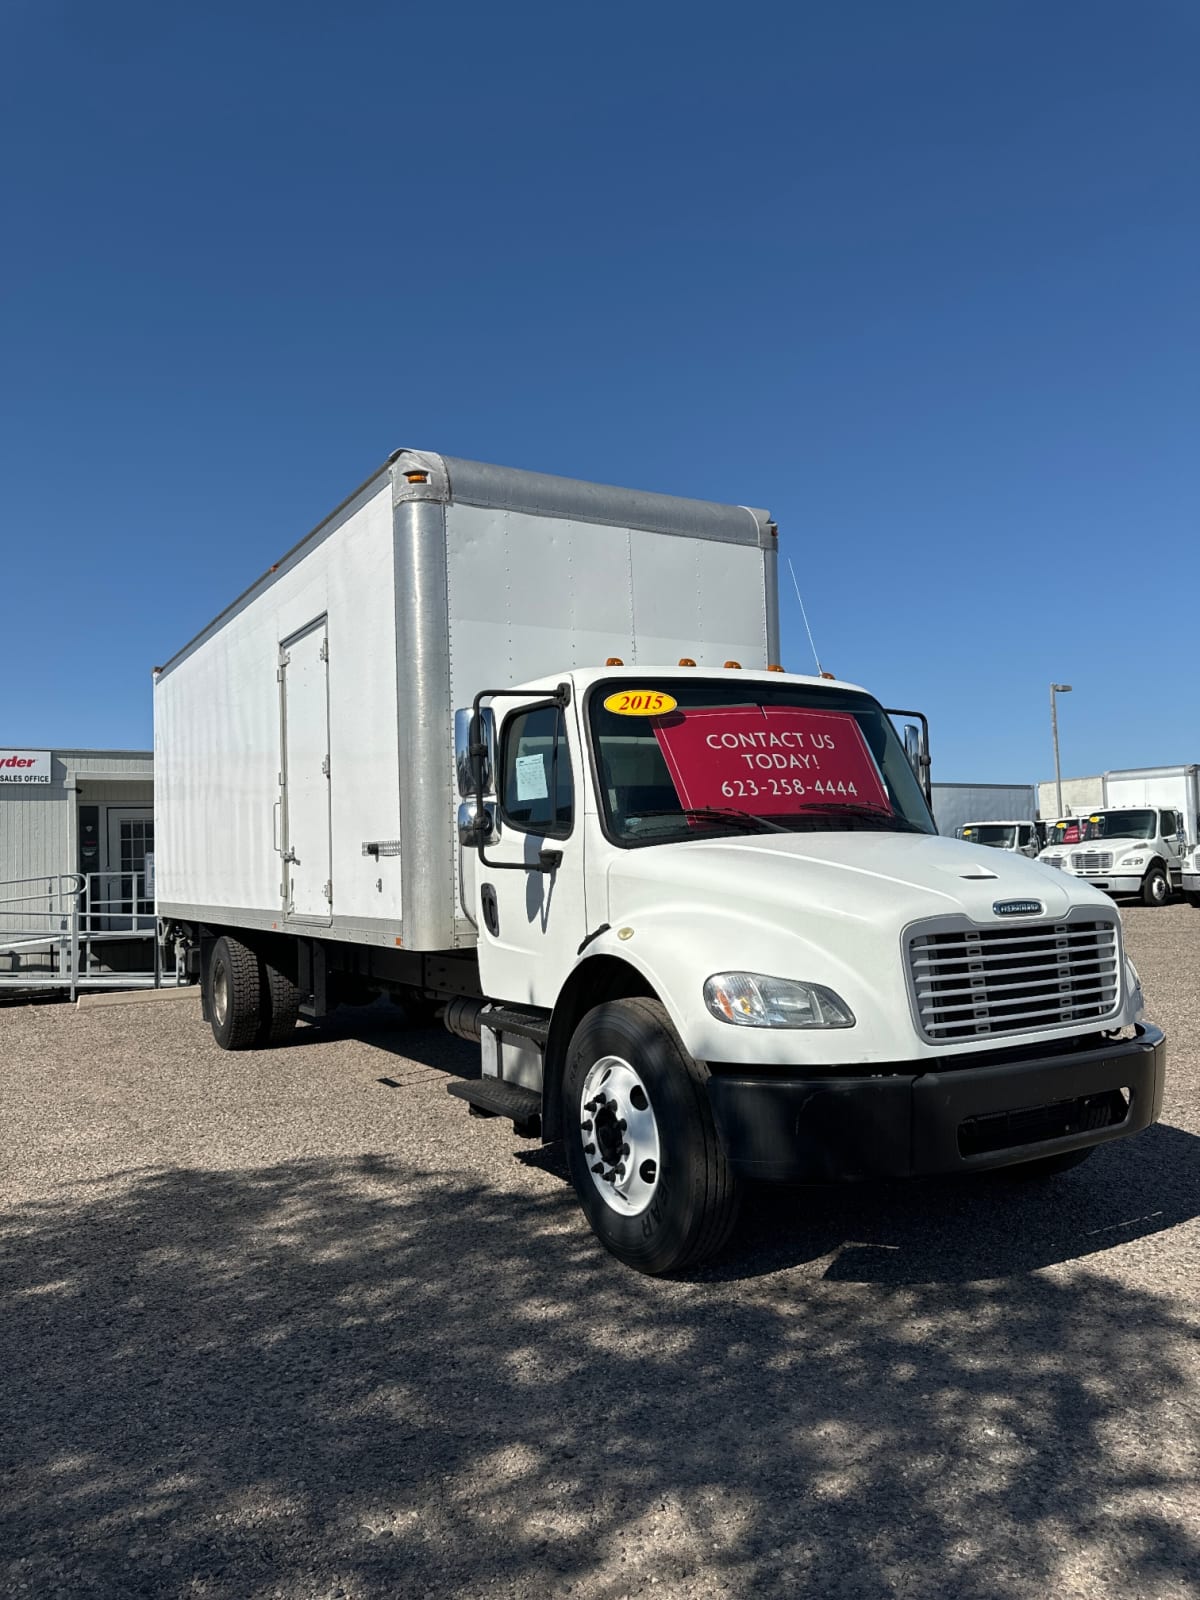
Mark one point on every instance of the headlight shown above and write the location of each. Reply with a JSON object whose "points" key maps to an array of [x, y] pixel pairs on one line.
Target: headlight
{"points": [[754, 1001], [1132, 861]]}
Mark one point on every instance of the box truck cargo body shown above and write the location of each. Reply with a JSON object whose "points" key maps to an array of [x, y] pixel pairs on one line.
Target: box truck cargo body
{"points": [[520, 751], [959, 805], [304, 742]]}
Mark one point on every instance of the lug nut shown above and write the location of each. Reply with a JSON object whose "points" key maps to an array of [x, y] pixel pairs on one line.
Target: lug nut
{"points": [[599, 1167], [586, 1126], [589, 1149], [619, 1172], [622, 1125], [624, 1150]]}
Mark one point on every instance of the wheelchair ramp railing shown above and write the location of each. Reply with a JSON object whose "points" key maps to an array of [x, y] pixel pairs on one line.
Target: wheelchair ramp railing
{"points": [[71, 931]]}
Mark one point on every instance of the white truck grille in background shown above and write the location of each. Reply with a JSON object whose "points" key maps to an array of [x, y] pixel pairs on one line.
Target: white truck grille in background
{"points": [[1092, 861], [970, 981]]}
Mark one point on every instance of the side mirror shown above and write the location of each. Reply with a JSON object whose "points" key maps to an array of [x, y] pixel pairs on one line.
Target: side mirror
{"points": [[912, 747], [476, 827], [466, 733]]}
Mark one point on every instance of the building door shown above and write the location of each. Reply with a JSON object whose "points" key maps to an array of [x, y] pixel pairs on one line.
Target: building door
{"points": [[123, 896], [306, 843]]}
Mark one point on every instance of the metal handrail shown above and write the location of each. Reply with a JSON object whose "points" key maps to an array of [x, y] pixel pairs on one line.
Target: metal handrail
{"points": [[83, 909]]}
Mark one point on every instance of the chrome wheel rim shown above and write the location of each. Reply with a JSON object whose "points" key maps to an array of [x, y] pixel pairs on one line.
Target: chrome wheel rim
{"points": [[220, 993], [619, 1135], [1158, 888]]}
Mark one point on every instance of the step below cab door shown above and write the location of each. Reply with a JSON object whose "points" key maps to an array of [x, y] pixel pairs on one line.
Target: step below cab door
{"points": [[528, 891]]}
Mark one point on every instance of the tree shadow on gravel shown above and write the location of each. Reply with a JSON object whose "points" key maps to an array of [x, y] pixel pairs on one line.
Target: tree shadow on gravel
{"points": [[355, 1378]]}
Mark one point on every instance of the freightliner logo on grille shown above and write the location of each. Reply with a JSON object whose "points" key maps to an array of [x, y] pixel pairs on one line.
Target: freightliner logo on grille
{"points": [[1018, 908]]}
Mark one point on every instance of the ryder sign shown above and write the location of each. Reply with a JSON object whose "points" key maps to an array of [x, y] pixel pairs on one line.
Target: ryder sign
{"points": [[770, 759], [24, 766]]}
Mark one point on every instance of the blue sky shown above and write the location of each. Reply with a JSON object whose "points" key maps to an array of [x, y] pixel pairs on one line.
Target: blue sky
{"points": [[921, 278]]}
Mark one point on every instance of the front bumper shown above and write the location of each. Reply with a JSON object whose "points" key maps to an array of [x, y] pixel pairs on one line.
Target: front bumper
{"points": [[1110, 882], [1191, 883], [966, 1118]]}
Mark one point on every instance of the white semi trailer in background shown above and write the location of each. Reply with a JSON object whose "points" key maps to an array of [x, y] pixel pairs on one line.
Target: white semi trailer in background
{"points": [[1140, 841], [692, 908]]}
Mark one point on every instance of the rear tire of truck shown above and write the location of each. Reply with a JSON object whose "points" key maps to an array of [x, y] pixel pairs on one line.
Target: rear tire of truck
{"points": [[280, 1006], [642, 1146], [1156, 887], [236, 987]]}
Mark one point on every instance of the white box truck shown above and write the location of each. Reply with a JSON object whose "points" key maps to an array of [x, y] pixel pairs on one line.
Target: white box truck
{"points": [[692, 908], [961, 805], [1140, 841]]}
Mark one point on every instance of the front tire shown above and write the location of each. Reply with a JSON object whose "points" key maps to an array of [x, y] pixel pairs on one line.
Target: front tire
{"points": [[1156, 889], [235, 994], [1046, 1166], [642, 1146], [1192, 899]]}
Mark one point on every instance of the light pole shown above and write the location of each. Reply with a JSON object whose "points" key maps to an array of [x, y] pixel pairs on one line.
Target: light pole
{"points": [[1057, 689]]}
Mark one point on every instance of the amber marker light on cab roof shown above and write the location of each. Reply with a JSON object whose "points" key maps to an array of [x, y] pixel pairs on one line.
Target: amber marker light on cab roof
{"points": [[733, 663], [614, 661], [686, 661], [774, 667]]}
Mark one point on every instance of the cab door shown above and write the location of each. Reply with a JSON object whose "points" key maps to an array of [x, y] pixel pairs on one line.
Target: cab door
{"points": [[1175, 842], [528, 888]]}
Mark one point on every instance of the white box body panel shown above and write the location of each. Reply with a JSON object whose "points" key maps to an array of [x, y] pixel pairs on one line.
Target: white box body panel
{"points": [[217, 736], [1175, 788], [426, 596]]}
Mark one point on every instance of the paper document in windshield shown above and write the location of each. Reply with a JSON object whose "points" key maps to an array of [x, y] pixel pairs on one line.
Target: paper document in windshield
{"points": [[770, 759]]}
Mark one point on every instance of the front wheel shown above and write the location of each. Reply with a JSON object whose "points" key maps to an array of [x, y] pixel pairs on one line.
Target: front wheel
{"points": [[1044, 1166], [642, 1146], [1156, 890], [1192, 899]]}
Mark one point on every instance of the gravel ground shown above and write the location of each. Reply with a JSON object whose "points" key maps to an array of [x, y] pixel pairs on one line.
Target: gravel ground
{"points": [[292, 1324]]}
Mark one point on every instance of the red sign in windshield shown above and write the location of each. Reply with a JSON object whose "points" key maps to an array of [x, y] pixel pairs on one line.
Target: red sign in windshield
{"points": [[769, 759]]}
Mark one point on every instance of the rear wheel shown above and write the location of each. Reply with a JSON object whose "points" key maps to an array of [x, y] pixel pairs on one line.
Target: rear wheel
{"points": [[235, 994], [281, 1005], [642, 1147], [1156, 890]]}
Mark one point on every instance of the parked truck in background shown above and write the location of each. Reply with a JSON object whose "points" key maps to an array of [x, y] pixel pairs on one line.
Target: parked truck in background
{"points": [[960, 805], [1024, 838], [1140, 841], [518, 751]]}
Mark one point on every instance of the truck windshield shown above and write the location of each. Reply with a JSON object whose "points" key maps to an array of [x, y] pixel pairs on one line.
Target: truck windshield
{"points": [[1119, 825], [729, 757], [993, 833]]}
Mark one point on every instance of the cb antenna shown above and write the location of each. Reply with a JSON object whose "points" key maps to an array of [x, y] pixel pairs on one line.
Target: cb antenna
{"points": [[804, 614]]}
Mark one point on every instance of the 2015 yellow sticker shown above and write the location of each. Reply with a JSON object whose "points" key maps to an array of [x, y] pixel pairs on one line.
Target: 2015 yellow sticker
{"points": [[640, 703]]}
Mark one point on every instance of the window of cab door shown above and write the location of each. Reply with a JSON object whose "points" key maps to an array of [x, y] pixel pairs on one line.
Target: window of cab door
{"points": [[536, 787]]}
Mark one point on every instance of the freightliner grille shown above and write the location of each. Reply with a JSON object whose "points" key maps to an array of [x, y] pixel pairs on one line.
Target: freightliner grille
{"points": [[970, 982], [1092, 861]]}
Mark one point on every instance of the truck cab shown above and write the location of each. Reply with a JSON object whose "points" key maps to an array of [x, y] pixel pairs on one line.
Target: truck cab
{"points": [[1136, 850], [723, 894], [1023, 838]]}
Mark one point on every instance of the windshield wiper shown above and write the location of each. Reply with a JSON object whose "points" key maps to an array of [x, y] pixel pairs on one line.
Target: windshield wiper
{"points": [[886, 819], [718, 814]]}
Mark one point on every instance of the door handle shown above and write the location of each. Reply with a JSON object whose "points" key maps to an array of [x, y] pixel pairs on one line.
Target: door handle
{"points": [[275, 825]]}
